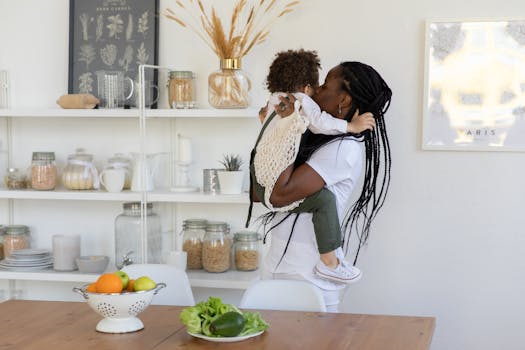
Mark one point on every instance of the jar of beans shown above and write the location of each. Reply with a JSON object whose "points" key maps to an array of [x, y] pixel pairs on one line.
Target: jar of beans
{"points": [[246, 249], [193, 231], [15, 237], [216, 247], [43, 171]]}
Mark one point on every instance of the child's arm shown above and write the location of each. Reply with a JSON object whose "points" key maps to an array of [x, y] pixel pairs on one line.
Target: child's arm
{"points": [[361, 122]]}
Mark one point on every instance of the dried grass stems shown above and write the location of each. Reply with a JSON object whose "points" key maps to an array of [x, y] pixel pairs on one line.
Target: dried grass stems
{"points": [[249, 25]]}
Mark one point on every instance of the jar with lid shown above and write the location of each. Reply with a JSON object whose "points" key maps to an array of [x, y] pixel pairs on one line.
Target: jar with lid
{"points": [[246, 250], [43, 171], [181, 89], [216, 247], [128, 236], [80, 173], [193, 231], [2, 232], [15, 237], [15, 179], [120, 161]]}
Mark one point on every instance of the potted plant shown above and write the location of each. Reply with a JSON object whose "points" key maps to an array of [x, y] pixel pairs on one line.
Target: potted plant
{"points": [[231, 177]]}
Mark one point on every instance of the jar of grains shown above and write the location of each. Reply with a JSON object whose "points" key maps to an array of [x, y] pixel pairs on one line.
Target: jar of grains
{"points": [[15, 179], [2, 231], [193, 231], [216, 247], [43, 171], [246, 250], [15, 237], [181, 89]]}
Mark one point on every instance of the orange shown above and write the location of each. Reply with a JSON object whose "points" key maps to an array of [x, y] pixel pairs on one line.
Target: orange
{"points": [[92, 288], [130, 285], [109, 283]]}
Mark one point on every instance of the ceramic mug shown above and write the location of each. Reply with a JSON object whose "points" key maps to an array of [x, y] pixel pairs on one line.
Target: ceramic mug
{"points": [[113, 179], [177, 258]]}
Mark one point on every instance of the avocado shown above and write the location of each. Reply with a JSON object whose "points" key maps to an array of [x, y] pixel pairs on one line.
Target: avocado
{"points": [[228, 324]]}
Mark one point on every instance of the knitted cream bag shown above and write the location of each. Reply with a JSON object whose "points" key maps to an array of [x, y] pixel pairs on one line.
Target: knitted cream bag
{"points": [[278, 149]]}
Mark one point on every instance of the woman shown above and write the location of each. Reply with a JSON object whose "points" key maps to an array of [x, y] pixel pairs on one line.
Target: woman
{"points": [[335, 162]]}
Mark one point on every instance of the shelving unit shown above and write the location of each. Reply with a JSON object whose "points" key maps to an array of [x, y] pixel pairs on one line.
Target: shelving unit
{"points": [[228, 280]]}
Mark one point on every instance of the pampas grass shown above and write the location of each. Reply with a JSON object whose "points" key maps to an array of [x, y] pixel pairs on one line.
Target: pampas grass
{"points": [[249, 25]]}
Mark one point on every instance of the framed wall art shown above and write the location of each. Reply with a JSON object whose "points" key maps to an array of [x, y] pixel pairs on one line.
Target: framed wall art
{"points": [[111, 36], [474, 97]]}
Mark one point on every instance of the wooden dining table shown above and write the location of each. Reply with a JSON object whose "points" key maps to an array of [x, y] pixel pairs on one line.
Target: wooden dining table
{"points": [[59, 325]]}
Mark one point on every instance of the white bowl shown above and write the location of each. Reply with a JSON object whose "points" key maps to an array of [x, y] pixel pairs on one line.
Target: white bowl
{"points": [[92, 263], [119, 309]]}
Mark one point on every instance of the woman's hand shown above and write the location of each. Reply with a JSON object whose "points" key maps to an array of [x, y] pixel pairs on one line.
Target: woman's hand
{"points": [[286, 107]]}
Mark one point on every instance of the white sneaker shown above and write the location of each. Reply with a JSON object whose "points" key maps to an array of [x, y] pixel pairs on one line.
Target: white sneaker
{"points": [[343, 273]]}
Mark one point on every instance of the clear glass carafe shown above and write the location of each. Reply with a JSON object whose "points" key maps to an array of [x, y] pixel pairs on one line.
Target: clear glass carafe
{"points": [[80, 173], [246, 250], [229, 86], [128, 236], [193, 231], [216, 248]]}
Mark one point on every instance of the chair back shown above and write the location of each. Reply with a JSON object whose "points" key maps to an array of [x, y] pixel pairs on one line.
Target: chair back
{"points": [[178, 289], [283, 295]]}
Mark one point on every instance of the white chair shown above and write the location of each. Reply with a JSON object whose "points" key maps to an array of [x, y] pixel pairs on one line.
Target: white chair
{"points": [[177, 291], [283, 295]]}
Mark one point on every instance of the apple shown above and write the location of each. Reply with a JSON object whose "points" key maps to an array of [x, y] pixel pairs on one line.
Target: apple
{"points": [[123, 277], [144, 283]]}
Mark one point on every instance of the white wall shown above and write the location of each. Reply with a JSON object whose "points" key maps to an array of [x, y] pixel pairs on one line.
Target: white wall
{"points": [[449, 240]]}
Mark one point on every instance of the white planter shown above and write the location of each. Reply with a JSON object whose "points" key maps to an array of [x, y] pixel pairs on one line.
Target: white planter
{"points": [[230, 182]]}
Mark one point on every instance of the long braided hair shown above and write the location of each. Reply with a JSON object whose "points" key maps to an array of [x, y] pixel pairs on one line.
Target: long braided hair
{"points": [[369, 93]]}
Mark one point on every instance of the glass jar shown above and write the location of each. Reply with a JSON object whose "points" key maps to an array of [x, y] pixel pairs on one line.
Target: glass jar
{"points": [[120, 161], [128, 236], [216, 247], [181, 89], [2, 232], [246, 250], [43, 171], [80, 173], [16, 237], [193, 231], [15, 179], [229, 86]]}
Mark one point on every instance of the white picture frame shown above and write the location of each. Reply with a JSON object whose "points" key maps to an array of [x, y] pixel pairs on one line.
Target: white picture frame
{"points": [[474, 89]]}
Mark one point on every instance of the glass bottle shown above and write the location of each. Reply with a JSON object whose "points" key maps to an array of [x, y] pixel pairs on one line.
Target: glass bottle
{"points": [[216, 247], [128, 236], [246, 250], [229, 86], [16, 237], [193, 231], [80, 173], [181, 89], [43, 171]]}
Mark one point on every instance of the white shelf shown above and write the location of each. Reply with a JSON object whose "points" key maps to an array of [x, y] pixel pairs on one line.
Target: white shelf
{"points": [[248, 113], [226, 280], [154, 196]]}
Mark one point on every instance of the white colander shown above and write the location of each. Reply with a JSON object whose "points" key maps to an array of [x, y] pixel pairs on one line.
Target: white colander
{"points": [[119, 309]]}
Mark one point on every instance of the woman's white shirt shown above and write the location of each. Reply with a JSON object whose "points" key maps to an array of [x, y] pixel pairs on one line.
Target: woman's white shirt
{"points": [[339, 163]]}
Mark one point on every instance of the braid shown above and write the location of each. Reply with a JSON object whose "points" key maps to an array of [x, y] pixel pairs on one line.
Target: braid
{"points": [[369, 93]]}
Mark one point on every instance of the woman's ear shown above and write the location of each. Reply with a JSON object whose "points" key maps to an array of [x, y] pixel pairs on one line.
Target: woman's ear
{"points": [[346, 101]]}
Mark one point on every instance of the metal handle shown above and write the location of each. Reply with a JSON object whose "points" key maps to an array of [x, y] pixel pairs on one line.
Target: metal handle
{"points": [[81, 291], [158, 287]]}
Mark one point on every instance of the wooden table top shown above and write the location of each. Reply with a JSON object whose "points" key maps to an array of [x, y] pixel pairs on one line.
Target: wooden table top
{"points": [[71, 326]]}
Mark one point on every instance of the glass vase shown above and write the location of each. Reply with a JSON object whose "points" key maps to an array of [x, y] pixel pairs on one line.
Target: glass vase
{"points": [[229, 86]]}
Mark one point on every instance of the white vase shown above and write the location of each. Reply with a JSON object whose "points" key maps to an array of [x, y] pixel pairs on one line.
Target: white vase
{"points": [[230, 182]]}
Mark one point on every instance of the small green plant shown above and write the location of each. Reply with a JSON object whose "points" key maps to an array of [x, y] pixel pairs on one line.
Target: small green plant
{"points": [[232, 162]]}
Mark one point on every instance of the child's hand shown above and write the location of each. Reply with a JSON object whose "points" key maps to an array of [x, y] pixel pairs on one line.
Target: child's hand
{"points": [[361, 122], [262, 113], [286, 107]]}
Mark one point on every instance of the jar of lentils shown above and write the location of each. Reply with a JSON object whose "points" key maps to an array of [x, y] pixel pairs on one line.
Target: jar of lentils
{"points": [[216, 247], [15, 237], [43, 171], [246, 250], [193, 231]]}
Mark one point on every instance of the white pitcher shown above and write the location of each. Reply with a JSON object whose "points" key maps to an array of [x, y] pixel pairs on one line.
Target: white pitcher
{"points": [[144, 166]]}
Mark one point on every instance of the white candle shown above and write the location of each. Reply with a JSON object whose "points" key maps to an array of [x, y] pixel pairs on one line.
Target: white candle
{"points": [[184, 149]]}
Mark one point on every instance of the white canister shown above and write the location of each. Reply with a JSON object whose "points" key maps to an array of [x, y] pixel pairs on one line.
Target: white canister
{"points": [[66, 248]]}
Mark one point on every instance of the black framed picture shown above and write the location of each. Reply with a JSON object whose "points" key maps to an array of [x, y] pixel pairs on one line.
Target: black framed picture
{"points": [[114, 36]]}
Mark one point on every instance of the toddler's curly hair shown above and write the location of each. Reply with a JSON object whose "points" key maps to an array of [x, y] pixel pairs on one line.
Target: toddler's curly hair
{"points": [[292, 70]]}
